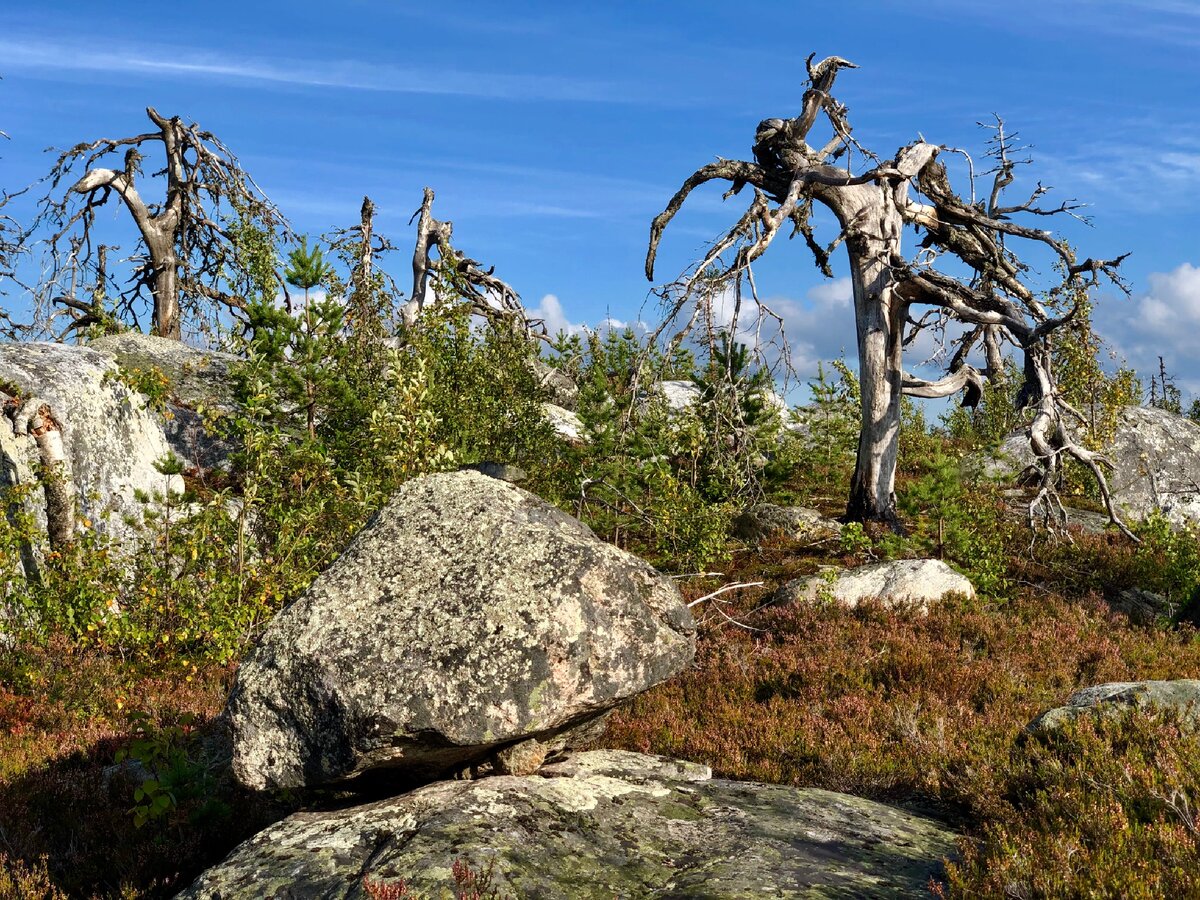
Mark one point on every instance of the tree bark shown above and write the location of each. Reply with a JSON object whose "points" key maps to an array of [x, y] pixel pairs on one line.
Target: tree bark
{"points": [[879, 316], [167, 318]]}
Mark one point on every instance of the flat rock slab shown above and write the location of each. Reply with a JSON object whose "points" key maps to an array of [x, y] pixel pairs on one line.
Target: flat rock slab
{"points": [[902, 582], [466, 617], [599, 825], [1181, 697]]}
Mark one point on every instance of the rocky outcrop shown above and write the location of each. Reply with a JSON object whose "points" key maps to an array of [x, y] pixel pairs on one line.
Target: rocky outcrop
{"points": [[903, 582], [1156, 459], [198, 383], [796, 523], [110, 438], [466, 617], [1180, 697], [597, 825]]}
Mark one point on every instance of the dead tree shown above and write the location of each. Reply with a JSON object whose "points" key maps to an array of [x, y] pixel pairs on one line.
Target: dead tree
{"points": [[872, 207], [189, 249], [25, 420], [489, 297]]}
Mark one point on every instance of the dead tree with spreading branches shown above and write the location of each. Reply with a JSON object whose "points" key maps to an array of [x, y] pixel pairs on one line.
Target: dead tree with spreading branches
{"points": [[489, 297], [190, 244], [873, 202]]}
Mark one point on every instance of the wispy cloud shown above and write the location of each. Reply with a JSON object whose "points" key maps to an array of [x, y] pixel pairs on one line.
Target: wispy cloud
{"points": [[64, 57], [1163, 21]]}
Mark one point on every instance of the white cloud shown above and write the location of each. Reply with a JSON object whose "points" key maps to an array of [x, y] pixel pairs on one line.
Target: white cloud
{"points": [[1165, 322], [818, 328], [550, 311]]}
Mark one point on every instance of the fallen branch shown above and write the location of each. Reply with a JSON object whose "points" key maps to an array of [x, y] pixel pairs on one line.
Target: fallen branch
{"points": [[729, 587]]}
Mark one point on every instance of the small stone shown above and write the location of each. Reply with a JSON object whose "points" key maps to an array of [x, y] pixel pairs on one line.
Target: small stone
{"points": [[1181, 697], [523, 758]]}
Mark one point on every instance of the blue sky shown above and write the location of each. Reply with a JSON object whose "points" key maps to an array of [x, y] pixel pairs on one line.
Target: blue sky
{"points": [[554, 132]]}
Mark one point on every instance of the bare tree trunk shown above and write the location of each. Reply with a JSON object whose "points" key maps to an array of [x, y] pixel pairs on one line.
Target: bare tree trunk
{"points": [[872, 208], [34, 418], [15, 472], [362, 278], [879, 315], [56, 480], [166, 299]]}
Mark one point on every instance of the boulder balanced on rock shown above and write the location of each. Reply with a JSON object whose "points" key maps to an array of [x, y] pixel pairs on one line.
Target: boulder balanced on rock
{"points": [[467, 617]]}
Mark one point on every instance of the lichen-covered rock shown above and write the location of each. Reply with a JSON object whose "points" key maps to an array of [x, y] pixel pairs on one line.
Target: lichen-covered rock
{"points": [[466, 616], [1156, 464], [565, 423], [111, 439], [797, 523], [1181, 697], [598, 825], [196, 380], [902, 582]]}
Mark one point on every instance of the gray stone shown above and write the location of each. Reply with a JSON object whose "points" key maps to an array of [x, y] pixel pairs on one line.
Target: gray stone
{"points": [[111, 439], [597, 825], [200, 380], [524, 758], [898, 583], [565, 423], [1156, 458], [504, 471], [797, 523], [563, 390], [678, 395], [1142, 607], [1181, 697], [468, 615]]}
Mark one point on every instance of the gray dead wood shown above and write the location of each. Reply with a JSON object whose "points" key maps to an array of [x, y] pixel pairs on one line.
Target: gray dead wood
{"points": [[873, 203]]}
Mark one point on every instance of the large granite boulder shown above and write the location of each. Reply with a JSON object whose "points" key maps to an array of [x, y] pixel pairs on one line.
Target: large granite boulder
{"points": [[597, 825], [678, 395], [111, 438], [199, 386], [468, 616], [1156, 459], [1181, 697], [914, 583]]}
